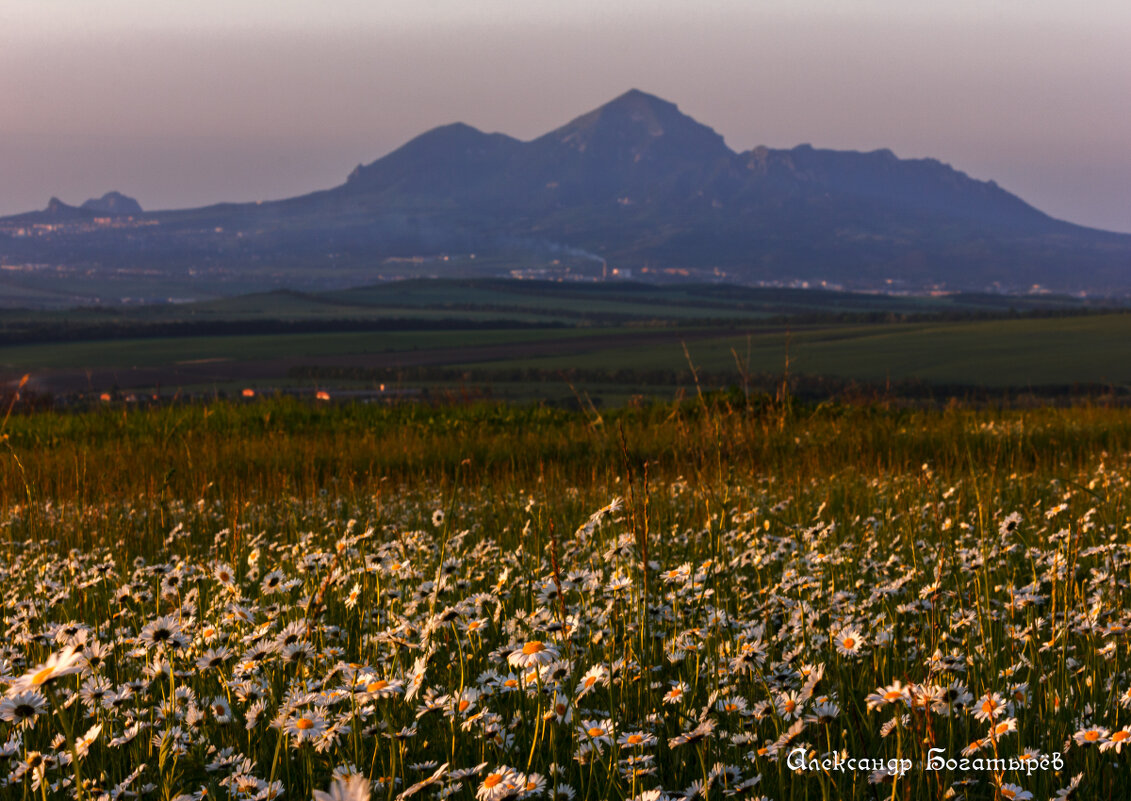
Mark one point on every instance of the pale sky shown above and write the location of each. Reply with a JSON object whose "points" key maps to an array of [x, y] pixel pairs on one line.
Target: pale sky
{"points": [[182, 103]]}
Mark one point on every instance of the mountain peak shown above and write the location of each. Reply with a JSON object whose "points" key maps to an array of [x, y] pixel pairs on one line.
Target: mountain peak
{"points": [[642, 123], [635, 98], [441, 159], [114, 203]]}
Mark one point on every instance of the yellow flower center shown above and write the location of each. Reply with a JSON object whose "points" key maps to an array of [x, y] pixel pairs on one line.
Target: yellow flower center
{"points": [[596, 731], [374, 686], [635, 739], [1091, 736], [492, 779], [848, 643], [42, 676], [302, 724], [533, 647], [1120, 736], [590, 681], [464, 704]]}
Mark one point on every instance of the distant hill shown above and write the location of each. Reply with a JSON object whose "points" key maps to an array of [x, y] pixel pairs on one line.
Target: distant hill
{"points": [[114, 203], [636, 187]]}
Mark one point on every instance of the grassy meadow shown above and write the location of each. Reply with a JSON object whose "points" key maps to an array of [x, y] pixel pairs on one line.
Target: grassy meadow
{"points": [[276, 599]]}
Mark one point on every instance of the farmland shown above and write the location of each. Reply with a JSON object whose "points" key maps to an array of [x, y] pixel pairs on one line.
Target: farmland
{"points": [[611, 342]]}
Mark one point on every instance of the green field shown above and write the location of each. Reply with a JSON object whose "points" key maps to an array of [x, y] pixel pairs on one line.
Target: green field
{"points": [[1018, 353], [257, 347], [525, 341]]}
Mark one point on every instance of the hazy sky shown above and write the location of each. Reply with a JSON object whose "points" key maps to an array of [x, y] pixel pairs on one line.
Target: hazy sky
{"points": [[186, 102]]}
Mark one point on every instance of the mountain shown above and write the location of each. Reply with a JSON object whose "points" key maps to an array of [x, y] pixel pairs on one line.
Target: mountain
{"points": [[113, 203], [635, 185]]}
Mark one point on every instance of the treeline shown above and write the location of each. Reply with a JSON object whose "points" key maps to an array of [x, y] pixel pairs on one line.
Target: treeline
{"points": [[65, 331], [948, 316], [56, 329], [814, 388]]}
